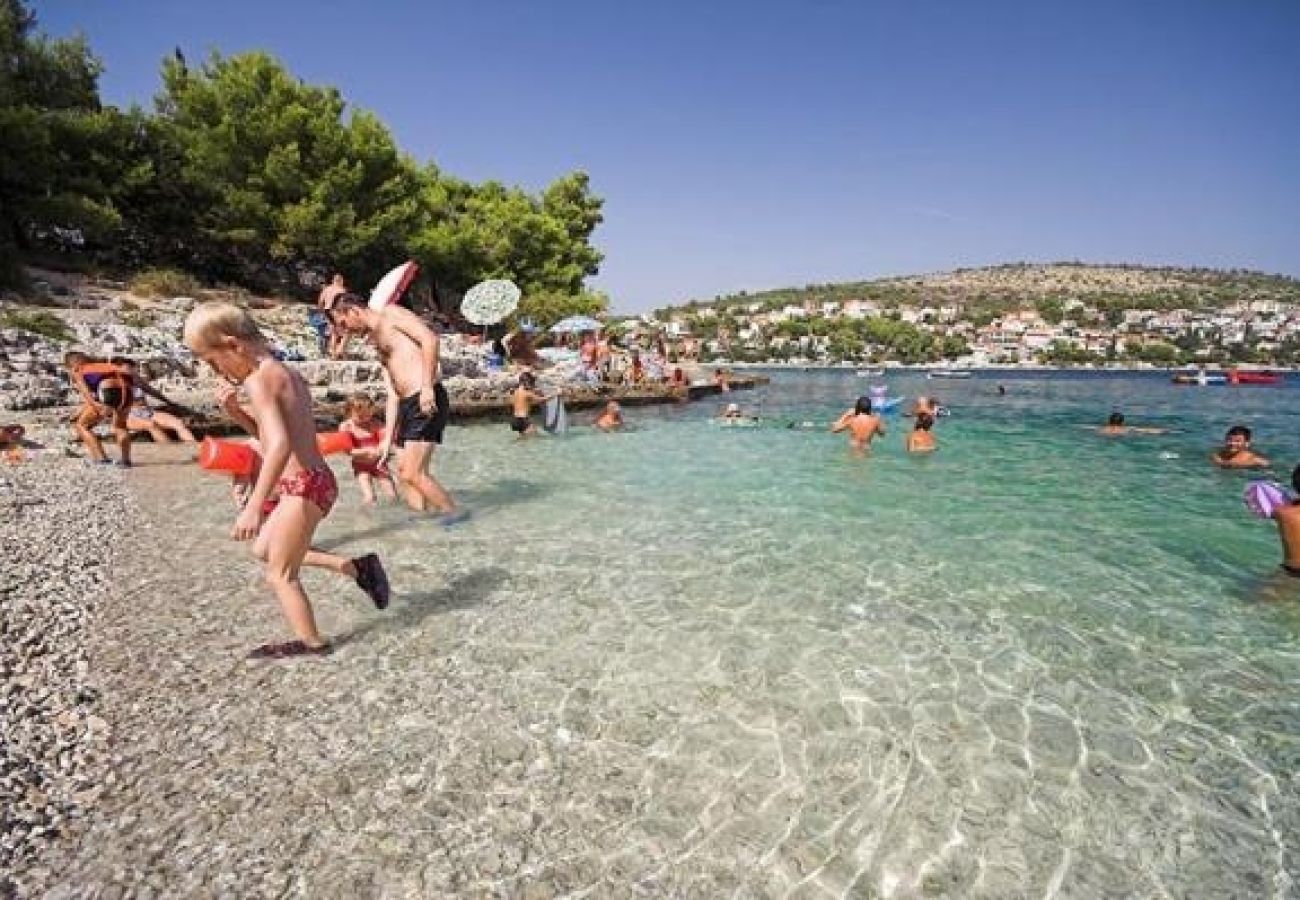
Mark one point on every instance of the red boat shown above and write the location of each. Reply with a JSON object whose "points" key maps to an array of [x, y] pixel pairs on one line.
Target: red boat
{"points": [[1236, 376]]}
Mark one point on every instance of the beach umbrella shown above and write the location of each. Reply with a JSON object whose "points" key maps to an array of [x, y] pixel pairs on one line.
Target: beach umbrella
{"points": [[575, 324], [391, 287], [488, 302]]}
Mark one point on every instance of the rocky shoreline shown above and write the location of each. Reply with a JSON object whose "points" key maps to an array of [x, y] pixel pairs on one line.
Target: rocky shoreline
{"points": [[61, 527]]}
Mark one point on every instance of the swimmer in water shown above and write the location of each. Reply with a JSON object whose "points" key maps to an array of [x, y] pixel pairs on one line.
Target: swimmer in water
{"points": [[1288, 529], [612, 418], [861, 423], [1236, 452], [1115, 427], [921, 440]]}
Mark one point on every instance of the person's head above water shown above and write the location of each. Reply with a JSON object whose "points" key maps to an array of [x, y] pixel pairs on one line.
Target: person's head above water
{"points": [[361, 405], [924, 422], [1116, 420], [1237, 438], [527, 380], [1295, 479], [863, 406]]}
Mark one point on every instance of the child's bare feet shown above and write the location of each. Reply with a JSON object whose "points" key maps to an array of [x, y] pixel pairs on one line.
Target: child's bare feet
{"points": [[372, 579]]}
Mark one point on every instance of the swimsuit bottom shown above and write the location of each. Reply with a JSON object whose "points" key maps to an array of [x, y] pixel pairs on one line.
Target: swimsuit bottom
{"points": [[317, 485]]}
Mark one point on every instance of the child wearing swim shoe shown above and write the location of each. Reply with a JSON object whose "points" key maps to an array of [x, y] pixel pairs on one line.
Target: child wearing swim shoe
{"points": [[368, 467], [294, 488]]}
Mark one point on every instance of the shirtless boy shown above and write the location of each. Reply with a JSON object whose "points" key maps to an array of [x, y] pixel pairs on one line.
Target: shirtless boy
{"points": [[522, 399], [295, 489], [418, 406], [861, 424], [1236, 452]]}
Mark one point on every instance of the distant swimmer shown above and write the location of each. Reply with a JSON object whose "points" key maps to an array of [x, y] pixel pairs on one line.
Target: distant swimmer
{"points": [[611, 419], [921, 440], [1288, 529], [734, 415], [861, 424], [1236, 452], [1002, 391], [1115, 427]]}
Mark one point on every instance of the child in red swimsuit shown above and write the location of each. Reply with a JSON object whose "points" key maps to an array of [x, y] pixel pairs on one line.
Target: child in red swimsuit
{"points": [[226, 338], [367, 431]]}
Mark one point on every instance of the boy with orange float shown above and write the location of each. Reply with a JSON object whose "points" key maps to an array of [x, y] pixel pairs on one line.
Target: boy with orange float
{"points": [[292, 468], [106, 393]]}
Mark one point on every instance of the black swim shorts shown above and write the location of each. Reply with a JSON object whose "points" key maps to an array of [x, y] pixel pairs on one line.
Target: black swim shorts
{"points": [[519, 424], [414, 425]]}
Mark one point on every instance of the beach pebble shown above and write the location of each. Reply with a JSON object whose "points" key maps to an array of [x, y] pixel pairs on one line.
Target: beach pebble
{"points": [[58, 532]]}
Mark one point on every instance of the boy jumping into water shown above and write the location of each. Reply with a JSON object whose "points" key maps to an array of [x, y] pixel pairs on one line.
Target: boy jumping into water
{"points": [[292, 469], [861, 424], [418, 406], [1236, 452]]}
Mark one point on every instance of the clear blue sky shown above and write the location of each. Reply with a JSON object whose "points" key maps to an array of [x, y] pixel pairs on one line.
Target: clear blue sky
{"points": [[758, 144]]}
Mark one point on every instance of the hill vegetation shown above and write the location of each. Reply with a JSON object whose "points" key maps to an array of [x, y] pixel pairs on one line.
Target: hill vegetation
{"points": [[244, 174]]}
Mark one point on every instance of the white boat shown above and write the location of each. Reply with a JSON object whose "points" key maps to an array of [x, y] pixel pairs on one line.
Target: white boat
{"points": [[949, 373], [871, 373]]}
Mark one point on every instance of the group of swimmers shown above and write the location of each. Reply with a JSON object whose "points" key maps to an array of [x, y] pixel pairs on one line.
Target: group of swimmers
{"points": [[864, 425]]}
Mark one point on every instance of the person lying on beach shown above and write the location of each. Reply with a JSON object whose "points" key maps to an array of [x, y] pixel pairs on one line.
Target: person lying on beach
{"points": [[611, 419], [1115, 427], [105, 390], [1288, 528], [1236, 452], [921, 440], [418, 406], [861, 424], [367, 434], [295, 488], [143, 417], [522, 399]]}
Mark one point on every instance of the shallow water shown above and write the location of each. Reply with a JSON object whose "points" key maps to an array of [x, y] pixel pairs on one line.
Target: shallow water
{"points": [[1038, 662]]}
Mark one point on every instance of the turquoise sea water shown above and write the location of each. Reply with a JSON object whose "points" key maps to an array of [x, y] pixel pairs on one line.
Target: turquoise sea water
{"points": [[1039, 661]]}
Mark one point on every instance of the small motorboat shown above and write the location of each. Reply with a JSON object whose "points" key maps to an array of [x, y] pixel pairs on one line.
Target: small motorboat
{"points": [[949, 373], [1201, 378], [1237, 376], [871, 373]]}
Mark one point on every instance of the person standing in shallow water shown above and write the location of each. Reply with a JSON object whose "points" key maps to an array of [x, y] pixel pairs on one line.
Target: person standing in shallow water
{"points": [[861, 423], [294, 488], [921, 440], [418, 406]]}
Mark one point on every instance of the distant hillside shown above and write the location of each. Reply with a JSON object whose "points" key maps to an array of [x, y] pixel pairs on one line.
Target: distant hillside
{"points": [[995, 289]]}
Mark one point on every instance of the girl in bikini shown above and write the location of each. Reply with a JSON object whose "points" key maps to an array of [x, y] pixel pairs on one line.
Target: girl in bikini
{"points": [[226, 338], [367, 432]]}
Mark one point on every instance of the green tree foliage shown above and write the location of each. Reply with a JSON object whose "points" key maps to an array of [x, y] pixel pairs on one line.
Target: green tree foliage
{"points": [[277, 174], [244, 173], [544, 308], [52, 176]]}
